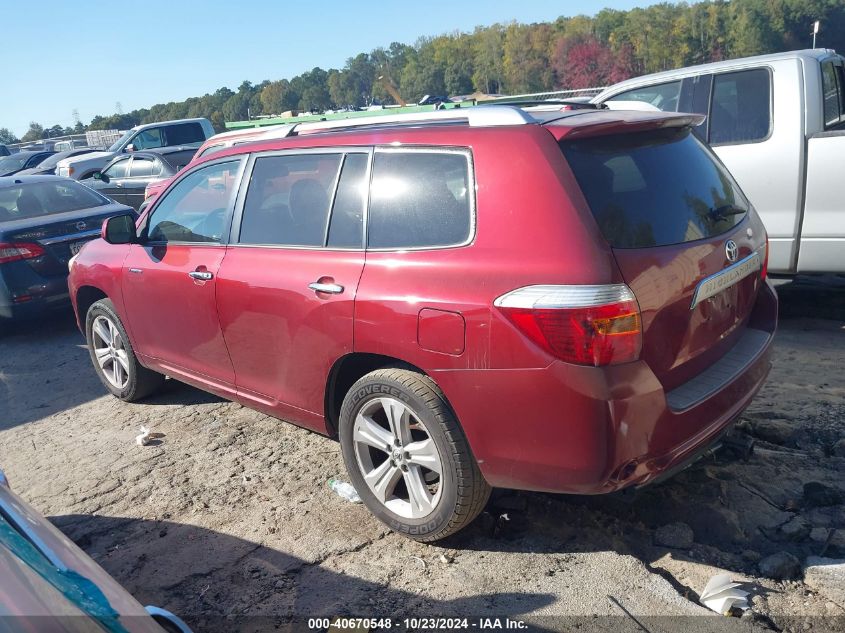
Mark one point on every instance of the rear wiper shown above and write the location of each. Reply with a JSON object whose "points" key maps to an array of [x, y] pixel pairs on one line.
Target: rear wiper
{"points": [[726, 210]]}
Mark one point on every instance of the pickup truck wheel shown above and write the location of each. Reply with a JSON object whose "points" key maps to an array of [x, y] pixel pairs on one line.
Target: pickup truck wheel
{"points": [[407, 455], [113, 357]]}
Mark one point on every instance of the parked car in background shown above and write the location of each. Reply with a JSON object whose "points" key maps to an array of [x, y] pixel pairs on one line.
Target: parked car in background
{"points": [[22, 160], [187, 133], [47, 167], [49, 584], [44, 221], [358, 278], [778, 124], [4, 151], [126, 177], [218, 143]]}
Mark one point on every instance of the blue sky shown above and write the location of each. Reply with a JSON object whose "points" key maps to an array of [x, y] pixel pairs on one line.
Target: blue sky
{"points": [[61, 55]]}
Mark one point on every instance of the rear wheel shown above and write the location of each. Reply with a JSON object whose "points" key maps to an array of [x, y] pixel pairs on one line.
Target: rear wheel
{"points": [[113, 357], [407, 455]]}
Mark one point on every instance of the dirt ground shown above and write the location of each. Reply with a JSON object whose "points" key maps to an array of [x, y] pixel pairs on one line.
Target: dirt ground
{"points": [[227, 519]]}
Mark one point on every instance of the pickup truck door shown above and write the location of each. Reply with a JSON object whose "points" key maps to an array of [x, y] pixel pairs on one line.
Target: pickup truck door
{"points": [[822, 247], [754, 126]]}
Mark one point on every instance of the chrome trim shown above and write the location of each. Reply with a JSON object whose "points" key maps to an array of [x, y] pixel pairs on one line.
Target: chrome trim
{"points": [[202, 275], [550, 297], [716, 283], [334, 289], [84, 235], [164, 614]]}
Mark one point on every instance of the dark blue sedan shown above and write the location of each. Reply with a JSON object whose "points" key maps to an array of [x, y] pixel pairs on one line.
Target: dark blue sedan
{"points": [[44, 221]]}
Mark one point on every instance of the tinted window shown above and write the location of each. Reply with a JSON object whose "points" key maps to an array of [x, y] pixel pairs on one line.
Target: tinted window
{"points": [[45, 198], [148, 139], [419, 199], [288, 200], [194, 210], [832, 92], [141, 167], [117, 169], [661, 96], [740, 110], [655, 188], [347, 219], [185, 133]]}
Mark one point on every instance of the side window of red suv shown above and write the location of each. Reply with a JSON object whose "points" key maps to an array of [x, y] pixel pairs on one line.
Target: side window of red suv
{"points": [[420, 199], [196, 208], [291, 197]]}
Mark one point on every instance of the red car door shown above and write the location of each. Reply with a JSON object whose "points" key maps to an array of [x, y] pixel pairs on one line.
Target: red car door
{"points": [[170, 278], [287, 285]]}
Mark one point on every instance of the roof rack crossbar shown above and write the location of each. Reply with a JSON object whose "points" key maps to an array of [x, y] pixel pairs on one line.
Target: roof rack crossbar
{"points": [[488, 116]]}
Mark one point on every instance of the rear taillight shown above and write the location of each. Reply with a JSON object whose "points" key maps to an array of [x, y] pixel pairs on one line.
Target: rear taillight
{"points": [[765, 269], [14, 252], [587, 325]]}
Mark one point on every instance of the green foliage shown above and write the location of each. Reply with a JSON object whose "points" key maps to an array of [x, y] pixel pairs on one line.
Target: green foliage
{"points": [[6, 136], [34, 133], [571, 52]]}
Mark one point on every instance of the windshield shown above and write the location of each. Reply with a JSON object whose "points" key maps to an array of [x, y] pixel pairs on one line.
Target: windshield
{"points": [[655, 188], [46, 198], [52, 161], [8, 164], [116, 145]]}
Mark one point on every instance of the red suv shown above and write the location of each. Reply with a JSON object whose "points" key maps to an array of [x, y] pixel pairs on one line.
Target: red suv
{"points": [[561, 301]]}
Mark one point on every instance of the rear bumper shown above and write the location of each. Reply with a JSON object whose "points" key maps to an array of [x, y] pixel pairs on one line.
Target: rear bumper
{"points": [[585, 430], [28, 295]]}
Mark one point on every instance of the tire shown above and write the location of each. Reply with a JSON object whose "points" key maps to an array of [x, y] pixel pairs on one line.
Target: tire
{"points": [[443, 503], [120, 372]]}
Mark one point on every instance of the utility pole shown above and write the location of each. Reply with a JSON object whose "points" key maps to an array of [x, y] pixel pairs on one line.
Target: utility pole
{"points": [[815, 31]]}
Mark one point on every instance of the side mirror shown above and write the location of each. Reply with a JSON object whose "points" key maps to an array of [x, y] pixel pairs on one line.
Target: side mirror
{"points": [[119, 229], [129, 148], [98, 175]]}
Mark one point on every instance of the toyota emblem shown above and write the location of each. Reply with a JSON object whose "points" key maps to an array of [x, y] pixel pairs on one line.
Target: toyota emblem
{"points": [[80, 226], [731, 250]]}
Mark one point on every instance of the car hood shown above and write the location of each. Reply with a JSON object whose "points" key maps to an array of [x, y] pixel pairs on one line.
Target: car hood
{"points": [[90, 156]]}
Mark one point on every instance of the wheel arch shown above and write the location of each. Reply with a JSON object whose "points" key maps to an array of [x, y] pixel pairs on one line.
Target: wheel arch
{"points": [[86, 296], [346, 371]]}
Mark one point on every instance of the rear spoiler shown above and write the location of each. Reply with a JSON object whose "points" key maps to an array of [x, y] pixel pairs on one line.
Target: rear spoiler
{"points": [[605, 122]]}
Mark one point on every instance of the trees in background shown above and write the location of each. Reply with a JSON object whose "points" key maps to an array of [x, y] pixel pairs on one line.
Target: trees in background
{"points": [[569, 53]]}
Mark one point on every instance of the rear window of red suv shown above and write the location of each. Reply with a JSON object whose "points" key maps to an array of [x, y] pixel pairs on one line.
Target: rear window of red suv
{"points": [[654, 188]]}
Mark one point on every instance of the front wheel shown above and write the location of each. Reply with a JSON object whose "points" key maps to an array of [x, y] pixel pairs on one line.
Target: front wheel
{"points": [[407, 455], [113, 357]]}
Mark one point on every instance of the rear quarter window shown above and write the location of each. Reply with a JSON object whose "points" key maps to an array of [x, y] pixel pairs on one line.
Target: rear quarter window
{"points": [[655, 188], [184, 134], [740, 110], [419, 199]]}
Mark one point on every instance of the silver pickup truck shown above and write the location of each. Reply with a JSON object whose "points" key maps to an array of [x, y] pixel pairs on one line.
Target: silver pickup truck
{"points": [[778, 123]]}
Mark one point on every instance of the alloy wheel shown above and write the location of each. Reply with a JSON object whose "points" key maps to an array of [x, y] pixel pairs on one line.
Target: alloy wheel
{"points": [[110, 352], [398, 458]]}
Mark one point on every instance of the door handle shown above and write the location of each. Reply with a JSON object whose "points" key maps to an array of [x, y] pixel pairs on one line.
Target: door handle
{"points": [[334, 289], [202, 275]]}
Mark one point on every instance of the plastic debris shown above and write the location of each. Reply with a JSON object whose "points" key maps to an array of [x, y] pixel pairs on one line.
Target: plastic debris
{"points": [[721, 595], [445, 559], [144, 438], [345, 490]]}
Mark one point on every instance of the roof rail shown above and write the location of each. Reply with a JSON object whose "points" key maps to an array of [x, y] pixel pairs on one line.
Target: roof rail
{"points": [[488, 116]]}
